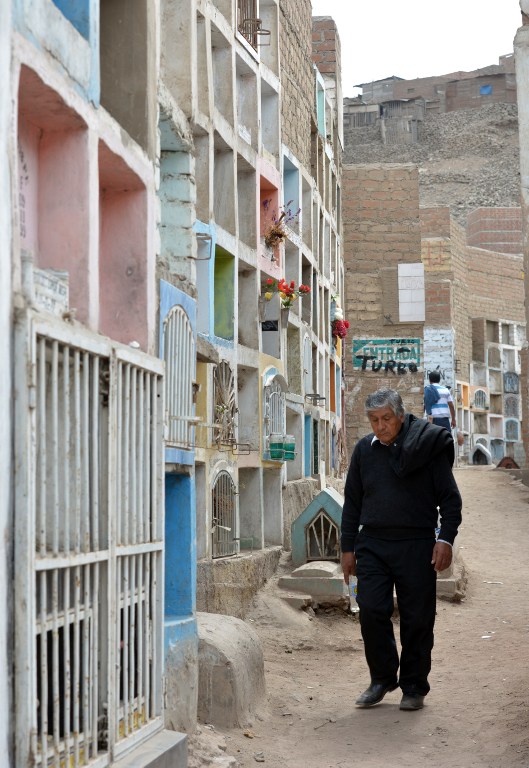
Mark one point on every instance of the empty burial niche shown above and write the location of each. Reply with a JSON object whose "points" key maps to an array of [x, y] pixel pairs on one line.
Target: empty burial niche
{"points": [[481, 455], [322, 538]]}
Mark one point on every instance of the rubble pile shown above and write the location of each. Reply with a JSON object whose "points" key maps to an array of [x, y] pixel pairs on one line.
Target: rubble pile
{"points": [[467, 159]]}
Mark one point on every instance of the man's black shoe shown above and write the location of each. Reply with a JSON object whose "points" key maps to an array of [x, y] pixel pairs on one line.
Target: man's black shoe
{"points": [[374, 694], [411, 702]]}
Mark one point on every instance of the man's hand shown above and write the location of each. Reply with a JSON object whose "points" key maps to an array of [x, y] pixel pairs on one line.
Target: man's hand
{"points": [[442, 556], [348, 565]]}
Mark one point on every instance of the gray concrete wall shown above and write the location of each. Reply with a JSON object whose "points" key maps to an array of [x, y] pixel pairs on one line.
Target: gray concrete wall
{"points": [[6, 151], [521, 51], [129, 67], [181, 678]]}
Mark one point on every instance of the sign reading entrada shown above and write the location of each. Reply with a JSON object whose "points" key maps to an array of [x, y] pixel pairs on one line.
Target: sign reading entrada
{"points": [[397, 356]]}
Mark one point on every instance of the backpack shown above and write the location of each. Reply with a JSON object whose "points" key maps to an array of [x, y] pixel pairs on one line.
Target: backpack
{"points": [[431, 396]]}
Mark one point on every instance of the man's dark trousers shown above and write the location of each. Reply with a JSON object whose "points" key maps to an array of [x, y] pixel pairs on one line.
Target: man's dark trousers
{"points": [[443, 421], [407, 565]]}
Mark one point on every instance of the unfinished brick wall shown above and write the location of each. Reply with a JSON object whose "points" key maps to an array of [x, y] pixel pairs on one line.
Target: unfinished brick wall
{"points": [[465, 94], [327, 56], [326, 52], [438, 302], [439, 332], [381, 230], [435, 221], [297, 77], [496, 229], [465, 282], [436, 254], [460, 314], [495, 285]]}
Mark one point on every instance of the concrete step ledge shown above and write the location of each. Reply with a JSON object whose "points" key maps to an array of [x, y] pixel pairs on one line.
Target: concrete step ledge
{"points": [[299, 601], [313, 585], [166, 749]]}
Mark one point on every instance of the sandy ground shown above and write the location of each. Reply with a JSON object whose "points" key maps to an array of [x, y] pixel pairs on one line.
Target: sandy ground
{"points": [[477, 713]]}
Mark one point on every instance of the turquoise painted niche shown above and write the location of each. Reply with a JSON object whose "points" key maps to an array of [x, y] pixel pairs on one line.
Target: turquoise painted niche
{"points": [[322, 516]]}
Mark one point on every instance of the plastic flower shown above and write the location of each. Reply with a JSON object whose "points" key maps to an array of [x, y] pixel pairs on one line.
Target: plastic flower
{"points": [[288, 293], [340, 328]]}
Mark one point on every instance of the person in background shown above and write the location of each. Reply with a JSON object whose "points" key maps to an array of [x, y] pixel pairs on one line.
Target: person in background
{"points": [[440, 410], [399, 475]]}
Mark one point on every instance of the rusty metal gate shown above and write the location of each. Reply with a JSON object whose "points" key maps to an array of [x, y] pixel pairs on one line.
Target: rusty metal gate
{"points": [[89, 541]]}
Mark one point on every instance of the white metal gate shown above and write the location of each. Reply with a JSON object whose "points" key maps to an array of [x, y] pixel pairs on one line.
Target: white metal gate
{"points": [[89, 541], [179, 356]]}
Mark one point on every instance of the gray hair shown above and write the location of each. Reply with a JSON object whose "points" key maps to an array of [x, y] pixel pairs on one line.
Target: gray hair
{"points": [[385, 398]]}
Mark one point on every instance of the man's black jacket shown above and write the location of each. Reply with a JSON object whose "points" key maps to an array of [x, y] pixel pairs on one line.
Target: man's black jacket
{"points": [[395, 490]]}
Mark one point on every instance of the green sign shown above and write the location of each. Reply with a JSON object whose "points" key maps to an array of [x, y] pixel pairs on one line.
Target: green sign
{"points": [[387, 355]]}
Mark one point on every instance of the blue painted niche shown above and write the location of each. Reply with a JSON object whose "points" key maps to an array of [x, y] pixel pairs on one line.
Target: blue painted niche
{"points": [[328, 503], [78, 13]]}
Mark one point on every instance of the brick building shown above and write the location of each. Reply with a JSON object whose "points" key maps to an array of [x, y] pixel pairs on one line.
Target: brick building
{"points": [[466, 316], [449, 92], [392, 110], [475, 323], [384, 287]]}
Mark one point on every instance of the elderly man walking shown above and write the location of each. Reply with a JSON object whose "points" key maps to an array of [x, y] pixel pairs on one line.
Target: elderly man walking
{"points": [[399, 484]]}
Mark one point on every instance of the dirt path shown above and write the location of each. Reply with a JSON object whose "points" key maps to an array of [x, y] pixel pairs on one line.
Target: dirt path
{"points": [[477, 714]]}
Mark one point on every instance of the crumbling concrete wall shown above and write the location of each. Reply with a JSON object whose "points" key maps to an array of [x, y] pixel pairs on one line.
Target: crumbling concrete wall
{"points": [[228, 585]]}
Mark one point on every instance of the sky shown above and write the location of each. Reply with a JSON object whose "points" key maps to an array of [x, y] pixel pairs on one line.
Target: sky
{"points": [[419, 38]]}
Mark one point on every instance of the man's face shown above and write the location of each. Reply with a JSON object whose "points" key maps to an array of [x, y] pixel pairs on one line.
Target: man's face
{"points": [[385, 424]]}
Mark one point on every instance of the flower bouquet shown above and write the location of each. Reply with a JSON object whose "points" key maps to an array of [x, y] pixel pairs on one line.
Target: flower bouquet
{"points": [[288, 292], [339, 328]]}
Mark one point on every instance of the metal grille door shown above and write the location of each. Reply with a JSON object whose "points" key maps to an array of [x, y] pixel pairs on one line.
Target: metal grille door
{"points": [[225, 541], [225, 407], [179, 356], [88, 546], [322, 538], [276, 404]]}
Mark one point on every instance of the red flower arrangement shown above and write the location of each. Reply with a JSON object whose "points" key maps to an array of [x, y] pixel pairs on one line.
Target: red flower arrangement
{"points": [[340, 328], [288, 292]]}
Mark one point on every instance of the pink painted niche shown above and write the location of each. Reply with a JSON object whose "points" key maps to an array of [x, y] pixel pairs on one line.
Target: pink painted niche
{"points": [[53, 185], [123, 251], [269, 258]]}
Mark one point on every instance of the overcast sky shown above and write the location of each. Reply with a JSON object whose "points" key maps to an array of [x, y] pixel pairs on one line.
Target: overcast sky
{"points": [[419, 38]]}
